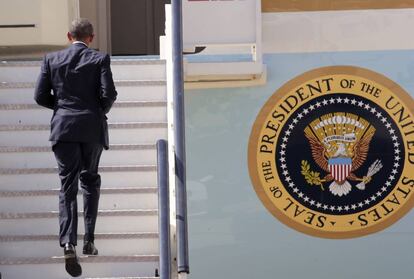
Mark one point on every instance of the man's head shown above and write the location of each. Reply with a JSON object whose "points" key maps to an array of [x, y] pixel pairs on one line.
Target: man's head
{"points": [[81, 30]]}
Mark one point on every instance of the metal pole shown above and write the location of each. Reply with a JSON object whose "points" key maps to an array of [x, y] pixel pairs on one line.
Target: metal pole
{"points": [[179, 137], [164, 209]]}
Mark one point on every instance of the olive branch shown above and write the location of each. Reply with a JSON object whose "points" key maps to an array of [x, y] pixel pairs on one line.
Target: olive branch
{"points": [[312, 177]]}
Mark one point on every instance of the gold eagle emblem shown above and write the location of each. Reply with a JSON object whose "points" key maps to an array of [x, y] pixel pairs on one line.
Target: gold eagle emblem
{"points": [[339, 144]]}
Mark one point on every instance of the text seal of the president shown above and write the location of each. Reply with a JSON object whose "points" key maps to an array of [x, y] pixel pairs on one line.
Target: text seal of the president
{"points": [[331, 153]]}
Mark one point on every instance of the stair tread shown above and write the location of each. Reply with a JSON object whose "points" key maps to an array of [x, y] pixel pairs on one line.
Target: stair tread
{"points": [[122, 277], [15, 171], [98, 236], [13, 149], [55, 214], [119, 104], [118, 83], [119, 125], [52, 192], [84, 259], [114, 61]]}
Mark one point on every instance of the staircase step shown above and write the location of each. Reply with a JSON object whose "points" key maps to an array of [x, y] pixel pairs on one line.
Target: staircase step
{"points": [[98, 236], [114, 61], [108, 244], [47, 245], [114, 221], [124, 104], [43, 157], [47, 200], [55, 214], [104, 191], [17, 149], [119, 133], [111, 125], [118, 83], [123, 278], [46, 181], [140, 168], [141, 90], [136, 90], [83, 259], [92, 267], [32, 114], [122, 69]]}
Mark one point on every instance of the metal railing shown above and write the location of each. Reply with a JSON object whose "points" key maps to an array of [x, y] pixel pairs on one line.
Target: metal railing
{"points": [[164, 209], [173, 54], [179, 134]]}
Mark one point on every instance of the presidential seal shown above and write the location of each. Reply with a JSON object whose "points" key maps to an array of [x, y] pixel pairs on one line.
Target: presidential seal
{"points": [[331, 154]]}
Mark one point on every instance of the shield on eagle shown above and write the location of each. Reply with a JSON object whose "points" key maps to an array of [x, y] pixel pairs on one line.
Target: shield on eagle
{"points": [[340, 168]]}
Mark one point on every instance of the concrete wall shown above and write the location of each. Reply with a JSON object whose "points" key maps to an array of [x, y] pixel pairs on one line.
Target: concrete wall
{"points": [[88, 9], [20, 12], [51, 19]]}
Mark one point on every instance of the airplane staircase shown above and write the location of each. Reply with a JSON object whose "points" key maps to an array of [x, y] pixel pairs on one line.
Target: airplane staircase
{"points": [[127, 226]]}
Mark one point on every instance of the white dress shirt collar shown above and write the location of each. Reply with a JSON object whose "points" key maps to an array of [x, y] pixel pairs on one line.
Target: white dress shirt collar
{"points": [[79, 42]]}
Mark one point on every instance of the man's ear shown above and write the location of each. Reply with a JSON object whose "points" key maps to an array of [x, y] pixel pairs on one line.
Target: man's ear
{"points": [[70, 38], [91, 38]]}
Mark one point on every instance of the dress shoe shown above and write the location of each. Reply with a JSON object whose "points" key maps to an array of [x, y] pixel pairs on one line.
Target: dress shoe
{"points": [[71, 260], [89, 248]]}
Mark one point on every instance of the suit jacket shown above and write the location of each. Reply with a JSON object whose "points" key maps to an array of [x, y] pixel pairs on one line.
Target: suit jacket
{"points": [[76, 83]]}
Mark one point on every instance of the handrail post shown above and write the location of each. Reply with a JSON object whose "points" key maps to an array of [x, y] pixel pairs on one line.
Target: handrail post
{"points": [[164, 209], [179, 136]]}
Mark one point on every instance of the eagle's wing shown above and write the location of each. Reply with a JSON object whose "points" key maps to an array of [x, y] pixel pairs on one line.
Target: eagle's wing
{"points": [[361, 151], [318, 151]]}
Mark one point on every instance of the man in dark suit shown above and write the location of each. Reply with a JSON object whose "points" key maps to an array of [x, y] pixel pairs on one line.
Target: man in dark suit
{"points": [[76, 83]]}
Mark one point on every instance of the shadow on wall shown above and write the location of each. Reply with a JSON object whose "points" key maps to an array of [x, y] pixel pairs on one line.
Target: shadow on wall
{"points": [[29, 52]]}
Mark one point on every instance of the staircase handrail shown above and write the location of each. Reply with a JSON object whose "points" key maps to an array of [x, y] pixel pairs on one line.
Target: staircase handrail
{"points": [[179, 134], [173, 54], [164, 209]]}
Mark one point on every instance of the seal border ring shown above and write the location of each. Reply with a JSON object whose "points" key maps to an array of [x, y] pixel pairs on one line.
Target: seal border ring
{"points": [[267, 108]]}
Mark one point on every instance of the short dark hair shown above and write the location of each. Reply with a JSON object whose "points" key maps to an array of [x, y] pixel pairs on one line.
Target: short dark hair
{"points": [[81, 29]]}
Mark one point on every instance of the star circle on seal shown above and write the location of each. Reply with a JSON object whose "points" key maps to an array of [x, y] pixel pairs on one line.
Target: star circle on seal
{"points": [[331, 154]]}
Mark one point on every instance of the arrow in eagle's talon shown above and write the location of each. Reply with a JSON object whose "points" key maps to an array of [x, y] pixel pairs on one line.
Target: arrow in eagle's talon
{"points": [[373, 169], [366, 179]]}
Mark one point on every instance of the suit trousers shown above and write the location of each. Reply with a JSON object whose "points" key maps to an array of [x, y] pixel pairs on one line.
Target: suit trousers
{"points": [[77, 161]]}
